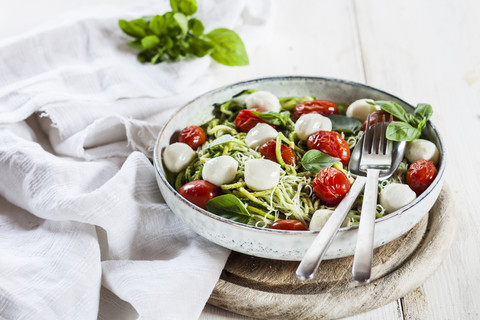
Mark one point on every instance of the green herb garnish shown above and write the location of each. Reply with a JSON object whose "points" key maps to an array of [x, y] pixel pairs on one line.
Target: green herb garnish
{"points": [[229, 207], [177, 35], [315, 160], [410, 126]]}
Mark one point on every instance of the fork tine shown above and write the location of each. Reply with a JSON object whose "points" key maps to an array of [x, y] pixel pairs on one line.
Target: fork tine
{"points": [[389, 144], [377, 131], [367, 141], [382, 143]]}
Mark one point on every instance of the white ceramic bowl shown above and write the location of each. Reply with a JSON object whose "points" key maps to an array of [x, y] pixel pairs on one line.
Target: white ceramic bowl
{"points": [[279, 244]]}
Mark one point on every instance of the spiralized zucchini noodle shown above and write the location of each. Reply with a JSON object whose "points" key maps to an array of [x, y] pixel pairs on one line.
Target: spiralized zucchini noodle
{"points": [[293, 197]]}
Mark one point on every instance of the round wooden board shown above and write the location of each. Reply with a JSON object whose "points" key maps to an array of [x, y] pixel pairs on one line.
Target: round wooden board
{"points": [[268, 289]]}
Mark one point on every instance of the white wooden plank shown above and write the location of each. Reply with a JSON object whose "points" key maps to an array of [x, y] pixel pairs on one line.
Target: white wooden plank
{"points": [[309, 37], [428, 51]]}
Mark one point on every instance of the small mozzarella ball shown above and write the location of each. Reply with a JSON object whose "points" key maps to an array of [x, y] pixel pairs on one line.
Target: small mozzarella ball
{"points": [[261, 174], [320, 218], [220, 170], [310, 123], [177, 156], [264, 100], [422, 149], [360, 109], [396, 195], [260, 134]]}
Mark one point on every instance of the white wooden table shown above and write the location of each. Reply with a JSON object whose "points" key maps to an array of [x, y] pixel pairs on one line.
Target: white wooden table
{"points": [[421, 51]]}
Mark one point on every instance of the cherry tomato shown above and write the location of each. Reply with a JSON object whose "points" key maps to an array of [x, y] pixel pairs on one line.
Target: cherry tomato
{"points": [[288, 224], [246, 120], [330, 186], [194, 136], [268, 151], [379, 113], [420, 175], [199, 192], [315, 106], [331, 143]]}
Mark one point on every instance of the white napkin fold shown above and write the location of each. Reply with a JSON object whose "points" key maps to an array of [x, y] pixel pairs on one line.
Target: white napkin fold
{"points": [[84, 231]]}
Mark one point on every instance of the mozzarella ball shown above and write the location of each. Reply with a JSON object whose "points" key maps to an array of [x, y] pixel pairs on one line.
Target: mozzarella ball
{"points": [[310, 123], [220, 170], [177, 156], [261, 174], [264, 100], [260, 134], [422, 149], [396, 195], [320, 218], [360, 109]]}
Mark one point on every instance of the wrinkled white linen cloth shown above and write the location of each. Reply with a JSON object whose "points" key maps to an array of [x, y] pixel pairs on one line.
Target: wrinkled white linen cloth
{"points": [[84, 230]]}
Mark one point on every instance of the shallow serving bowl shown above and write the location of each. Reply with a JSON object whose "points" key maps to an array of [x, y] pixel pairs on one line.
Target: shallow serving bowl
{"points": [[279, 244]]}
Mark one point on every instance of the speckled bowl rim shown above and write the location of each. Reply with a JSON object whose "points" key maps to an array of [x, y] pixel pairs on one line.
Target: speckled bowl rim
{"points": [[156, 153]]}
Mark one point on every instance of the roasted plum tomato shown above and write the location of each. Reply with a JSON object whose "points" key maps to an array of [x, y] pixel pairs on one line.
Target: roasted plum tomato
{"points": [[420, 175], [199, 192], [268, 151], [246, 120], [288, 224], [194, 136], [322, 107], [387, 117], [331, 143], [331, 185]]}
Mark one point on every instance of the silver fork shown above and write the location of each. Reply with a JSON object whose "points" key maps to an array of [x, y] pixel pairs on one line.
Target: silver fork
{"points": [[376, 156]]}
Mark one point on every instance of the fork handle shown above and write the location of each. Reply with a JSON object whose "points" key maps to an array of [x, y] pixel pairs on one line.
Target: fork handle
{"points": [[314, 255], [363, 258]]}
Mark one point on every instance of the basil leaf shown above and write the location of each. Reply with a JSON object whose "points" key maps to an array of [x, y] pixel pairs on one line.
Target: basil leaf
{"points": [[150, 42], [422, 124], [229, 207], [167, 42], [401, 131], [187, 7], [275, 118], [158, 25], [344, 124], [423, 110], [200, 46], [394, 109], [132, 28], [196, 27], [229, 48], [315, 160], [182, 22], [136, 44]]}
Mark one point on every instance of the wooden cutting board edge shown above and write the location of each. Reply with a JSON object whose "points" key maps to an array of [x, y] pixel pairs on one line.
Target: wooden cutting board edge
{"points": [[342, 300]]}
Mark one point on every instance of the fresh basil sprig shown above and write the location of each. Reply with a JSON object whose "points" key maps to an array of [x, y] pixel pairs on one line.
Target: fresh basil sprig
{"points": [[177, 35], [315, 160], [229, 207], [410, 126]]}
